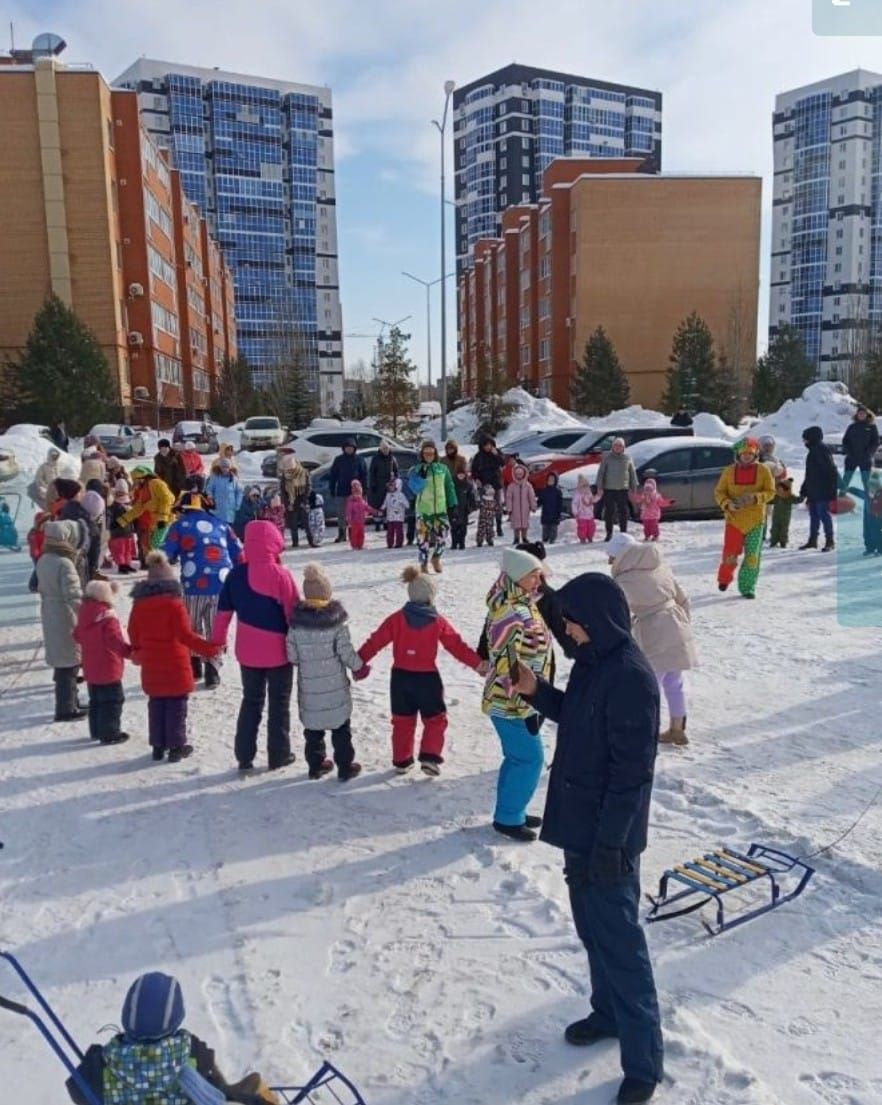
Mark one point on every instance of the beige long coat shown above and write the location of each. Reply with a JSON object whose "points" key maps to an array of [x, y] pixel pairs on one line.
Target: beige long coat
{"points": [[660, 615]]}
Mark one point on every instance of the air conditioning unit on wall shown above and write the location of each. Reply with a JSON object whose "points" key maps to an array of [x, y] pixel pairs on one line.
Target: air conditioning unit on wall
{"points": [[136, 337], [136, 290]]}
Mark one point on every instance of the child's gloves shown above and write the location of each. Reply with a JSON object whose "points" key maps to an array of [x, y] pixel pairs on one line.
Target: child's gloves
{"points": [[483, 668], [363, 672]]}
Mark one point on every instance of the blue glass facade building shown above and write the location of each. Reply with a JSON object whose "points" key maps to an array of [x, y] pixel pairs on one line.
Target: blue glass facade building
{"points": [[826, 256], [257, 157], [510, 125]]}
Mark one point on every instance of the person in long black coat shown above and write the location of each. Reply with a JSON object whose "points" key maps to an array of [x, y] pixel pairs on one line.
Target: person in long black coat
{"points": [[819, 488], [597, 811], [859, 444], [383, 468]]}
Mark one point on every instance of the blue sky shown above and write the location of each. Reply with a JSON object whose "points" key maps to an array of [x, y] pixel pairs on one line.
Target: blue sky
{"points": [[718, 63]]}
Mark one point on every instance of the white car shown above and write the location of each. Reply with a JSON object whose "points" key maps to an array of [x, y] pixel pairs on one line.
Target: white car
{"points": [[544, 441], [262, 432], [318, 445]]}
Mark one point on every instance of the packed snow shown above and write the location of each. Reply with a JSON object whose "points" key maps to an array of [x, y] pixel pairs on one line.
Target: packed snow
{"points": [[382, 924]]}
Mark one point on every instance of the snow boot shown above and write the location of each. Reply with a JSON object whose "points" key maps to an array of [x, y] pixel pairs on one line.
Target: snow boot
{"points": [[829, 545], [196, 667], [431, 768], [812, 543], [436, 564], [723, 586], [246, 765], [633, 1092], [675, 733], [585, 1032], [212, 676], [424, 568], [403, 766], [286, 761], [158, 755], [521, 833], [117, 738], [347, 773], [175, 755], [532, 821], [321, 769]]}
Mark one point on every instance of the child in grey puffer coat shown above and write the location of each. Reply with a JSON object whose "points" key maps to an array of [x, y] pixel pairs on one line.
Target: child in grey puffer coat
{"points": [[320, 646]]}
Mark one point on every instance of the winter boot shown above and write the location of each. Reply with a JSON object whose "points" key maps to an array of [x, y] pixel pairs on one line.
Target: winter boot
{"points": [[532, 821], [829, 545], [116, 738], [521, 833], [436, 564], [633, 1092], [403, 766], [158, 755], [675, 733], [196, 666], [430, 768], [212, 675], [812, 543], [175, 755], [585, 1032], [319, 770], [347, 773], [286, 761]]}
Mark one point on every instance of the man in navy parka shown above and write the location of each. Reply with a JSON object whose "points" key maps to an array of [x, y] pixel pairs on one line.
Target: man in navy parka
{"points": [[597, 811]]}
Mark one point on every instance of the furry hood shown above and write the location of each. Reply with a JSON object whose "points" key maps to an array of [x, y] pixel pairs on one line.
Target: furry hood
{"points": [[153, 588], [307, 616]]}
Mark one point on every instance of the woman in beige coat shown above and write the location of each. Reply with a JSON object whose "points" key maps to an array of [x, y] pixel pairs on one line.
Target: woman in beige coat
{"points": [[660, 619]]}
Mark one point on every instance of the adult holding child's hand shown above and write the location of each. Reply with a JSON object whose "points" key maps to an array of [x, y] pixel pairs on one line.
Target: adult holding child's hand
{"points": [[597, 811]]}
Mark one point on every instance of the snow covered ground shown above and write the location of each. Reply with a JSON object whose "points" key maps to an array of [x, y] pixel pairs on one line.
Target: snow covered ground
{"points": [[383, 925]]}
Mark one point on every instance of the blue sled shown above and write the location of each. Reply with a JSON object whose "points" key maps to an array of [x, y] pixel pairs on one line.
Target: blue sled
{"points": [[327, 1077]]}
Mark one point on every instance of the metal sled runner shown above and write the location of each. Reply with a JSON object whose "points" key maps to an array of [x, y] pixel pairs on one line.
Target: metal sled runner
{"points": [[716, 874], [328, 1086]]}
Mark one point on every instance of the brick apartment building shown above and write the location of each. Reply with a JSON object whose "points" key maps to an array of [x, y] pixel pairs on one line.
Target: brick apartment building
{"points": [[90, 210], [610, 243]]}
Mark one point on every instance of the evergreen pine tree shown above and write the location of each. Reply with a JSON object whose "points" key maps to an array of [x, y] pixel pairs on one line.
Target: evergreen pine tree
{"points": [[492, 410], [600, 384], [395, 394], [62, 372], [782, 373], [869, 388], [693, 379]]}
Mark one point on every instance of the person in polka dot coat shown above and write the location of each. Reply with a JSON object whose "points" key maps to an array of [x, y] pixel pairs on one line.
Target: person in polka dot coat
{"points": [[207, 548]]}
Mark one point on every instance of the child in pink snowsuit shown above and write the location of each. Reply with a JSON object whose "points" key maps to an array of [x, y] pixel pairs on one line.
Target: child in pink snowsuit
{"points": [[358, 511], [583, 509], [520, 502], [651, 501], [274, 512]]}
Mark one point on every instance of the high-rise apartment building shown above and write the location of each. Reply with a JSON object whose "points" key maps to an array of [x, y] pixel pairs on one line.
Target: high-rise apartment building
{"points": [[611, 245], [826, 271], [257, 156], [510, 125], [90, 211]]}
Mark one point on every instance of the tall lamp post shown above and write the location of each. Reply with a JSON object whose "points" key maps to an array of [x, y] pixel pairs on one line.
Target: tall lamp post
{"points": [[428, 285], [383, 324], [448, 92]]}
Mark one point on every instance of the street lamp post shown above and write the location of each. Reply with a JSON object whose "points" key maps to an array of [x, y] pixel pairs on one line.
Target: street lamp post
{"points": [[428, 285], [448, 92], [383, 324]]}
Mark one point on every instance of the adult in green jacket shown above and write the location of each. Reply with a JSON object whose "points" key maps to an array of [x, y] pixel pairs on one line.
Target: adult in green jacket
{"points": [[433, 486]]}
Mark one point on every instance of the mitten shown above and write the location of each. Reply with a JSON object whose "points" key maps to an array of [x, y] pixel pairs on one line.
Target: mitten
{"points": [[363, 672]]}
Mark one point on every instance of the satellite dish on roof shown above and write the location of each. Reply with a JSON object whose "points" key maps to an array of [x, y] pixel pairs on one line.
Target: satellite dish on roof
{"points": [[48, 45]]}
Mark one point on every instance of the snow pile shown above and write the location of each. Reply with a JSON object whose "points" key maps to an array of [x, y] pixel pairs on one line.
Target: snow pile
{"points": [[31, 449], [530, 414], [711, 425], [827, 404]]}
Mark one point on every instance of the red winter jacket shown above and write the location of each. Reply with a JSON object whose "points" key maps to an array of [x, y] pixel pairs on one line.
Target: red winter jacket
{"points": [[102, 642], [415, 632], [162, 639]]}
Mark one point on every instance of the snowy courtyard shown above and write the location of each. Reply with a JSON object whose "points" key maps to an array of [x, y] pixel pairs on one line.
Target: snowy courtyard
{"points": [[382, 924]]}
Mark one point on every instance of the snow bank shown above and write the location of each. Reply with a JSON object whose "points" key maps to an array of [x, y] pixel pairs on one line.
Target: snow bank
{"points": [[827, 404], [31, 449]]}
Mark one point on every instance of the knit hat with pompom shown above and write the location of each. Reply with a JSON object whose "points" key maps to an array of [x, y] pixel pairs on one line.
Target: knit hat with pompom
{"points": [[420, 587], [158, 566], [316, 584], [101, 590]]}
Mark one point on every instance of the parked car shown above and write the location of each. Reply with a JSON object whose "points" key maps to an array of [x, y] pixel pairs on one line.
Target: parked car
{"points": [[8, 464], [591, 446], [320, 444], [202, 434], [686, 469], [262, 432], [544, 441], [120, 440], [320, 479]]}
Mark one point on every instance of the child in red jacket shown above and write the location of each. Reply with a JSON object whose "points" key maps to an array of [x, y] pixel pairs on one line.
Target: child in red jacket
{"points": [[162, 640], [415, 632], [358, 510], [104, 649]]}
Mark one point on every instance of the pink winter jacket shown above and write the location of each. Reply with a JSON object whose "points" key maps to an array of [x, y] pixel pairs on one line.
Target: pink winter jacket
{"points": [[583, 503], [651, 501], [520, 499], [358, 511], [262, 594]]}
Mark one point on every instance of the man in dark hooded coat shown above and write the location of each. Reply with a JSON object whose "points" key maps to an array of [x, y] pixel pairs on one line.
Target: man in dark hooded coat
{"points": [[597, 811]]}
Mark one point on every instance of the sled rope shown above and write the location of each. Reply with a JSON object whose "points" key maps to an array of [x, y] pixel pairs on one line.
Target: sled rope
{"points": [[850, 829]]}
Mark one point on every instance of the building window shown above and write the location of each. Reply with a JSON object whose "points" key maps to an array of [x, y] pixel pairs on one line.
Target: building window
{"points": [[543, 349], [525, 354]]}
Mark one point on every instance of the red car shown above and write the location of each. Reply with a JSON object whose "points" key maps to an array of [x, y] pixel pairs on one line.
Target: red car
{"points": [[589, 449]]}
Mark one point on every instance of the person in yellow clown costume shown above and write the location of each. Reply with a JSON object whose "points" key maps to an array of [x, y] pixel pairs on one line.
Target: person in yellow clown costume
{"points": [[743, 491]]}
